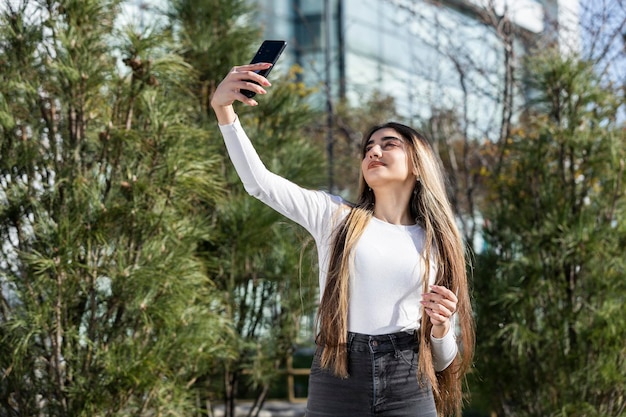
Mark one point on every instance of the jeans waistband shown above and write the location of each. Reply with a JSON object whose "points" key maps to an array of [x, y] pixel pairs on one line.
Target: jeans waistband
{"points": [[384, 342]]}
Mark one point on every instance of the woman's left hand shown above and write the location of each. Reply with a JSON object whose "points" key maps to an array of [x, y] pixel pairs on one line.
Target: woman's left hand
{"points": [[440, 305]]}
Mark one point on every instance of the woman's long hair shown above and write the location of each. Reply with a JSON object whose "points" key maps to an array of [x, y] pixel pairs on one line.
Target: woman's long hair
{"points": [[430, 207]]}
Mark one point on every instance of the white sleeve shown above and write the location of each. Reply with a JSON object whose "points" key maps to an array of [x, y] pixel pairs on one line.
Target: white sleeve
{"points": [[306, 207], [444, 350]]}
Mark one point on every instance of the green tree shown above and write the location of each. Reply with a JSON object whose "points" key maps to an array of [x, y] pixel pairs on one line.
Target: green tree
{"points": [[260, 262], [212, 36], [266, 268], [105, 307], [550, 288], [349, 124]]}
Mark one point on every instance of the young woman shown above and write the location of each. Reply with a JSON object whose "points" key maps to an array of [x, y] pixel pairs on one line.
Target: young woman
{"points": [[392, 271]]}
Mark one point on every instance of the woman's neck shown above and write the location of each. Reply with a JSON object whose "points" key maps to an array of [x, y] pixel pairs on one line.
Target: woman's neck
{"points": [[393, 208]]}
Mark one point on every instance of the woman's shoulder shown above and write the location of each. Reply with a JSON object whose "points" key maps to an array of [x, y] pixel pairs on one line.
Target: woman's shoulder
{"points": [[336, 207], [339, 203]]}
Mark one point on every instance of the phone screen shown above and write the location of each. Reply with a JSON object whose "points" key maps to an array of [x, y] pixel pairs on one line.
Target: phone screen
{"points": [[269, 51]]}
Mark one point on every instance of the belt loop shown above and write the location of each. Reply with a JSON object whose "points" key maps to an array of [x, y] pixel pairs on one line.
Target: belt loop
{"points": [[350, 340], [396, 353]]}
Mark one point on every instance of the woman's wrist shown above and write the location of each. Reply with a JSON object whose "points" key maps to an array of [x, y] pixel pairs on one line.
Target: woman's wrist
{"points": [[225, 114], [439, 331]]}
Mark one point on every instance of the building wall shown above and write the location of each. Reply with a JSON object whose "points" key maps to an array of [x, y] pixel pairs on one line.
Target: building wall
{"points": [[431, 56]]}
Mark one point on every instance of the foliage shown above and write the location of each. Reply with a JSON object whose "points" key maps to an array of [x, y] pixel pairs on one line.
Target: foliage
{"points": [[551, 284], [105, 307], [261, 264], [348, 125], [265, 266], [212, 36], [465, 160]]}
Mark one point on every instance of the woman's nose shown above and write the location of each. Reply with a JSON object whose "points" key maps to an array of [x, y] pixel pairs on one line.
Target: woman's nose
{"points": [[374, 151]]}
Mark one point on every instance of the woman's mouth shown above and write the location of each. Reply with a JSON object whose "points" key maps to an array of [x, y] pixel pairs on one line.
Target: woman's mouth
{"points": [[375, 164]]}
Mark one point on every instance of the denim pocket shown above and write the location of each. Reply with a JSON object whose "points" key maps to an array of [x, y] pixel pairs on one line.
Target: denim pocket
{"points": [[408, 356]]}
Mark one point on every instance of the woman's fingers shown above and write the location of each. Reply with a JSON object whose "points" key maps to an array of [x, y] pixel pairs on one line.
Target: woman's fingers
{"points": [[436, 318], [444, 292], [249, 73], [244, 77], [439, 304], [438, 315], [252, 68]]}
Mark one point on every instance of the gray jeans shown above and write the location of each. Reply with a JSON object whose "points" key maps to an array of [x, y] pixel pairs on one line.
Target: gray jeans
{"points": [[382, 382]]}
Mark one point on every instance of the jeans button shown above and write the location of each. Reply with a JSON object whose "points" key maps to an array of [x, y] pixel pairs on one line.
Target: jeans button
{"points": [[374, 342]]}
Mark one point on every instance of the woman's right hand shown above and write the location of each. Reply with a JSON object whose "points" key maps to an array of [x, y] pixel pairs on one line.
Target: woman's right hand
{"points": [[229, 90]]}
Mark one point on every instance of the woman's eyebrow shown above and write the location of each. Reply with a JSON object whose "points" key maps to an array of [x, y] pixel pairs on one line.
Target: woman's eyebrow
{"points": [[385, 138], [392, 138]]}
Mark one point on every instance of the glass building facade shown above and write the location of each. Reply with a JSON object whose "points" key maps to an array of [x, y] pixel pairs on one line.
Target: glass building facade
{"points": [[430, 56], [433, 57]]}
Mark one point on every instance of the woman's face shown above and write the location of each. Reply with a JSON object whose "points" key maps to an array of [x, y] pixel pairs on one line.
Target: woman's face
{"points": [[385, 161]]}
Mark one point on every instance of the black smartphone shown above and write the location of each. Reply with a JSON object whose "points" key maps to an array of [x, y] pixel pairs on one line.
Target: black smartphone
{"points": [[269, 51]]}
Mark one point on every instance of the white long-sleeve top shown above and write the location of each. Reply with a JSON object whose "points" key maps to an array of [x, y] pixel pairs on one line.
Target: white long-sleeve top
{"points": [[387, 269]]}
